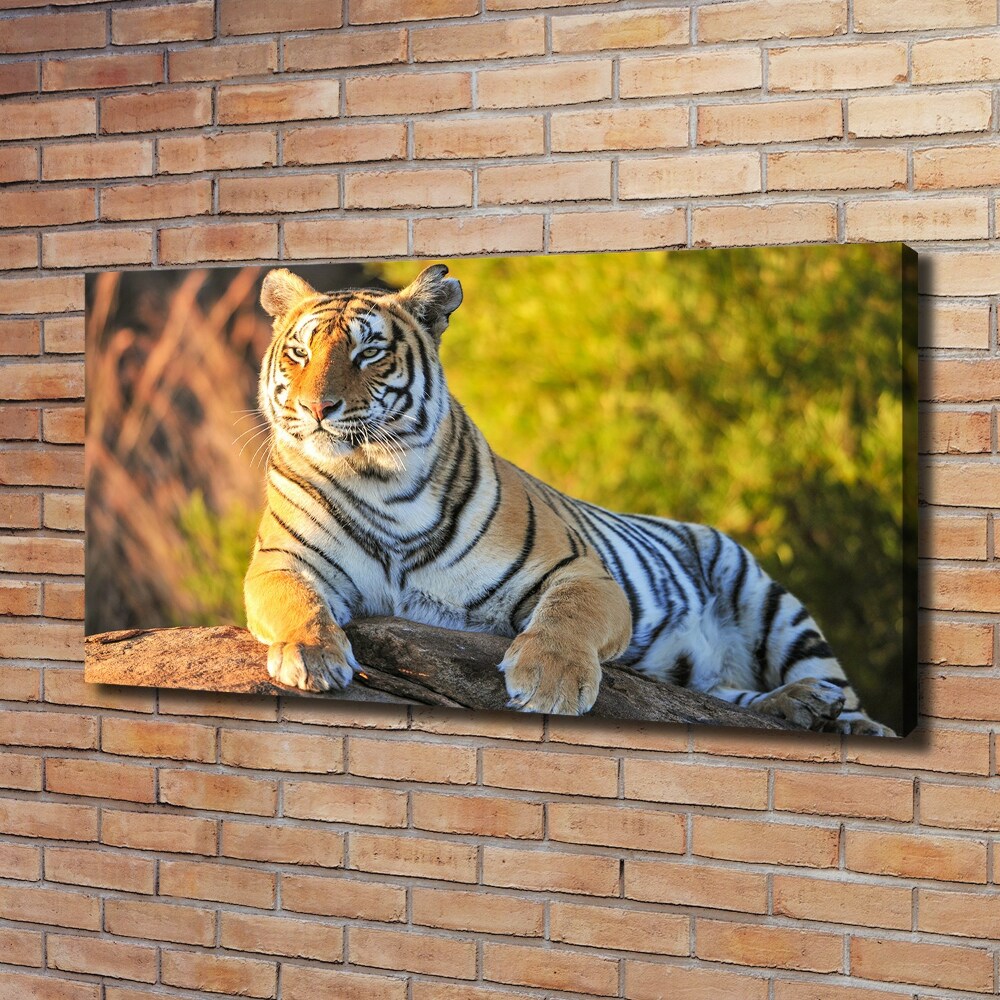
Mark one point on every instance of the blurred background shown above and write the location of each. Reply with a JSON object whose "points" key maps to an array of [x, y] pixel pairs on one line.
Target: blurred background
{"points": [[758, 390]]}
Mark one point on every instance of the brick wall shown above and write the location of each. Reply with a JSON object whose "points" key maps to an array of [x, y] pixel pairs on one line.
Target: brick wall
{"points": [[176, 845]]}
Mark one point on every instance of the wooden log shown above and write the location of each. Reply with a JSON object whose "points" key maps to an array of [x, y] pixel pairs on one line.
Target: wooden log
{"points": [[405, 663]]}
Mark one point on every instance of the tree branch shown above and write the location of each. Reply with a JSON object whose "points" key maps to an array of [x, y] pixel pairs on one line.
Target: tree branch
{"points": [[405, 663]]}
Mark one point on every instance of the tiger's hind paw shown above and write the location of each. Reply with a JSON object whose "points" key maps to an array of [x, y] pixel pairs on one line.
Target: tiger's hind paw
{"points": [[856, 724], [811, 703], [310, 668]]}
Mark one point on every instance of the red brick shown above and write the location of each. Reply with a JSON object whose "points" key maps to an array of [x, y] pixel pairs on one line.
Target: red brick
{"points": [[345, 143], [912, 855], [962, 807], [68, 687], [933, 749], [412, 761], [48, 729], [31, 987], [361, 805], [223, 62], [42, 207], [156, 201], [361, 236], [20, 683], [960, 381], [232, 977], [836, 170], [812, 846], [544, 84], [966, 914], [408, 951], [751, 19], [922, 963], [938, 218], [19, 78], [159, 921], [480, 41], [944, 536], [648, 981], [40, 641], [410, 93], [282, 844], [956, 166], [836, 67], [691, 784], [769, 121], [825, 794], [38, 906], [348, 898], [97, 248], [175, 740], [149, 831], [487, 234], [485, 817], [292, 193], [841, 902], [21, 861], [102, 869], [550, 968], [19, 423], [72, 161], [956, 60], [221, 241], [768, 947], [20, 336], [468, 138], [220, 883], [20, 947], [39, 295], [562, 773], [226, 151], [550, 871], [419, 857], [620, 929], [20, 771], [282, 751], [51, 31], [63, 335], [634, 29], [63, 425], [283, 936], [916, 15], [19, 250], [579, 180], [373, 48], [98, 778], [156, 111], [218, 792], [741, 225], [18, 163], [251, 17], [697, 884], [622, 128], [135, 69], [20, 510], [959, 643], [299, 982], [919, 114], [966, 589], [408, 189], [712, 72], [176, 22], [380, 11], [278, 102], [944, 432], [960, 273], [478, 912], [498, 725], [617, 230]]}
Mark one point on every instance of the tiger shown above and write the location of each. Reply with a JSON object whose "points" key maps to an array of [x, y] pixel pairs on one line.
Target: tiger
{"points": [[383, 497]]}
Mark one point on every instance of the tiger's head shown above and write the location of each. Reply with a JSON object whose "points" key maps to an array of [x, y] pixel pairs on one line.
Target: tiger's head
{"points": [[357, 371]]}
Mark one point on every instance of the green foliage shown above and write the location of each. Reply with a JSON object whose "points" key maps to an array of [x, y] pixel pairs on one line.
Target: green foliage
{"points": [[218, 548], [757, 390]]}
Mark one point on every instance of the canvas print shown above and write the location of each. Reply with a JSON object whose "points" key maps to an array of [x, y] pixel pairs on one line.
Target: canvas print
{"points": [[659, 486]]}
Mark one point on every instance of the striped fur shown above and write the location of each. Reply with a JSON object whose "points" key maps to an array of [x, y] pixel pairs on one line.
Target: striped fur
{"points": [[383, 497]]}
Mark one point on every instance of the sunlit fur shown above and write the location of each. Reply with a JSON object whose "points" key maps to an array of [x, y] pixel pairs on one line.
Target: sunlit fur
{"points": [[383, 497]]}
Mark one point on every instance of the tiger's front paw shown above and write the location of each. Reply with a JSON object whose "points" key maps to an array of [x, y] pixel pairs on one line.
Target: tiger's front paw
{"points": [[310, 667], [544, 676]]}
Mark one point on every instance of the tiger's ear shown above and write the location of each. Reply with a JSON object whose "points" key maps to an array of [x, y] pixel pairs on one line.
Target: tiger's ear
{"points": [[282, 291], [432, 298]]}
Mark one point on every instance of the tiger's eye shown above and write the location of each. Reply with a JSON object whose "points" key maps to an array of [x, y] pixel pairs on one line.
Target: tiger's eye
{"points": [[370, 352]]}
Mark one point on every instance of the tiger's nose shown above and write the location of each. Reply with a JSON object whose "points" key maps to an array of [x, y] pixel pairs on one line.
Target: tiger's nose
{"points": [[321, 408]]}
